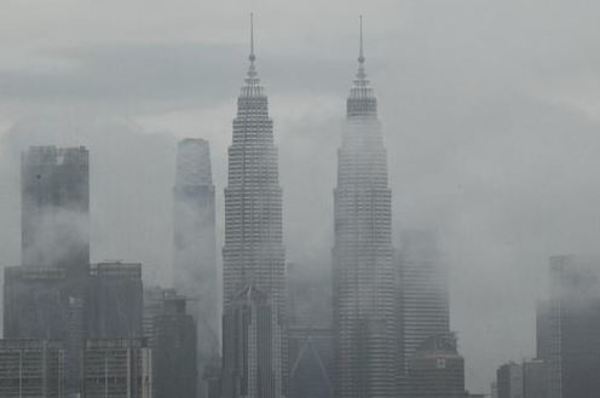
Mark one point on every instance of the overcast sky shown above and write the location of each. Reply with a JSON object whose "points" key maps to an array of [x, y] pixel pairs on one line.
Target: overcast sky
{"points": [[491, 111]]}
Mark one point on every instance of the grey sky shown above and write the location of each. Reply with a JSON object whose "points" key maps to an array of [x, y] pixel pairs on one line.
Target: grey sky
{"points": [[491, 113]]}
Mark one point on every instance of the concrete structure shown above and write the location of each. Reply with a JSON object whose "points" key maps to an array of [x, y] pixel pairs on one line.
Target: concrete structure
{"points": [[252, 364], [32, 369], [55, 207], [509, 380], [366, 330], [423, 293], [253, 254], [569, 328], [117, 368], [115, 301], [174, 350], [436, 370], [535, 379], [194, 247]]}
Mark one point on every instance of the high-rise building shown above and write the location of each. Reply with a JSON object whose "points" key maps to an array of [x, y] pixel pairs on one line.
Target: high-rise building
{"points": [[46, 303], [174, 350], [32, 369], [436, 370], [117, 368], [535, 379], [194, 257], [55, 207], [253, 253], [509, 380], [569, 327], [423, 293], [364, 278], [115, 301]]}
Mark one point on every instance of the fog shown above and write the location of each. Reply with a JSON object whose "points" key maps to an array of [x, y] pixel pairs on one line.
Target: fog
{"points": [[490, 113]]}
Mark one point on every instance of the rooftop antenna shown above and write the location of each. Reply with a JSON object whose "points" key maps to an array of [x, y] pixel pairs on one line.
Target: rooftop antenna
{"points": [[252, 57]]}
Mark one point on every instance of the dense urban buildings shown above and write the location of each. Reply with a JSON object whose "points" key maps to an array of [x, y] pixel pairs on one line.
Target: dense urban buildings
{"points": [[367, 354], [253, 254], [32, 369], [436, 370], [55, 207], [194, 257], [569, 327]]}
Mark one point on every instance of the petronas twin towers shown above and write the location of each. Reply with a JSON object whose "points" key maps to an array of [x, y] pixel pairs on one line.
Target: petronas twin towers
{"points": [[367, 354]]}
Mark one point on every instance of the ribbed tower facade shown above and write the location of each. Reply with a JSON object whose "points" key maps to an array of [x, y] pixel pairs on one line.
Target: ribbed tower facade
{"points": [[253, 254], [364, 282]]}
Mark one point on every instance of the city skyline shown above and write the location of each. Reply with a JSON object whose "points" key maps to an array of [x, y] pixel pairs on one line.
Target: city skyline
{"points": [[479, 219]]}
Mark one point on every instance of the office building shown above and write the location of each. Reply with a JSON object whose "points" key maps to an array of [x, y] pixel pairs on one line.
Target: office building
{"points": [[366, 327], [253, 254], [32, 369], [117, 368], [55, 207]]}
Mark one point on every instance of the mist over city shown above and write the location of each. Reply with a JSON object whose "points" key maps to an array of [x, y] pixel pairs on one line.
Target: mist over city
{"points": [[339, 199]]}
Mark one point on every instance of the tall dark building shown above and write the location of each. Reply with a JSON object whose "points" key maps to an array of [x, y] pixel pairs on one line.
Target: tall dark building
{"points": [[253, 253], [194, 257], [174, 350], [364, 278], [535, 379], [436, 370], [115, 301], [509, 380], [55, 207], [569, 328], [423, 293]]}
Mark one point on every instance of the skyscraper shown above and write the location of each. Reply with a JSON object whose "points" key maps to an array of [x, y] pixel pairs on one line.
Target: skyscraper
{"points": [[364, 278], [509, 380], [194, 257], [423, 292], [55, 207], [569, 328], [253, 253]]}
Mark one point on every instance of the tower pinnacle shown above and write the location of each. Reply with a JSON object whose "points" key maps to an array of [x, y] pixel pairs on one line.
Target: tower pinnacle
{"points": [[361, 54], [252, 57]]}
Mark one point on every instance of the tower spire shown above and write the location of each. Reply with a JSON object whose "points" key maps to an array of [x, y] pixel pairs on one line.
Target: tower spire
{"points": [[361, 53], [252, 57]]}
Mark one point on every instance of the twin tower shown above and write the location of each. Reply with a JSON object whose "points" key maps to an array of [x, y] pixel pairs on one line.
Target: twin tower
{"points": [[366, 322]]}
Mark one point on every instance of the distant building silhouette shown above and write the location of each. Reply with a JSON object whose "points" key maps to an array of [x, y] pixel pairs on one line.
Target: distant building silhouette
{"points": [[253, 254], [569, 327], [194, 257], [366, 329], [32, 369], [535, 379], [55, 207]]}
